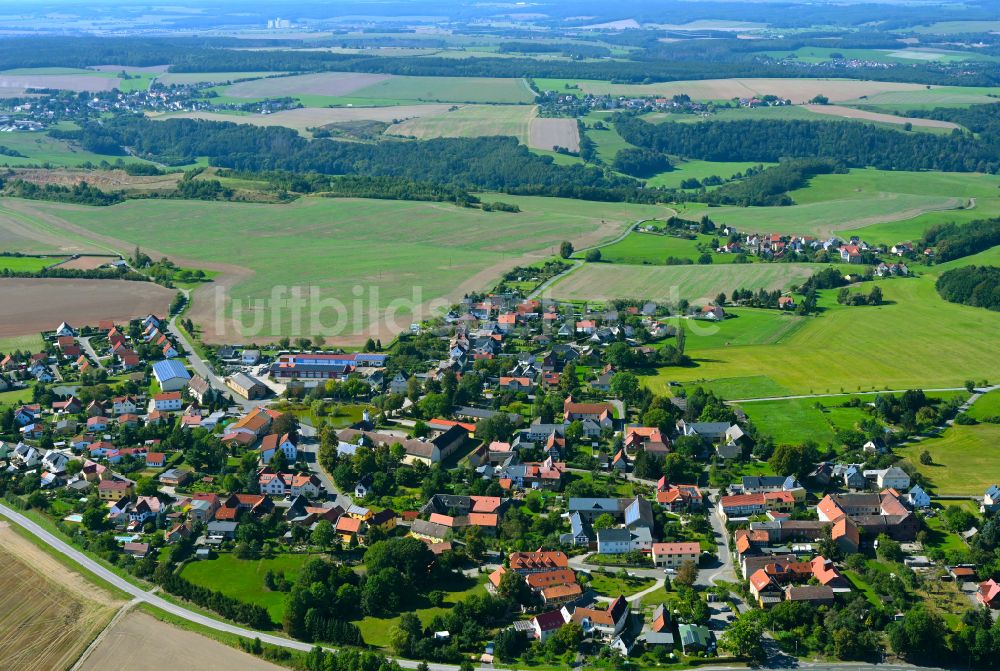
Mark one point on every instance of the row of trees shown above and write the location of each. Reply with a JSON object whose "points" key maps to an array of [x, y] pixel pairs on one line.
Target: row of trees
{"points": [[978, 286], [854, 145]]}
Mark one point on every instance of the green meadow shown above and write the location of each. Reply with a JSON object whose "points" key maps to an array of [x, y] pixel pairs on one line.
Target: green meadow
{"points": [[243, 579], [653, 249], [26, 264], [963, 459], [699, 170], [915, 340]]}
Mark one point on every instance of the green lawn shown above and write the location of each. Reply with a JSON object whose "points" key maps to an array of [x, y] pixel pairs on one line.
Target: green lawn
{"points": [[390, 250], [16, 397], [244, 579], [798, 420], [964, 459], [939, 538], [616, 584], [26, 264], [375, 630], [988, 405]]}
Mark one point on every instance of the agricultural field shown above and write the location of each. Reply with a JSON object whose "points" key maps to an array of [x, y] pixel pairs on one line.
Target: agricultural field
{"points": [[863, 115], [964, 459], [31, 303], [696, 283], [447, 250], [172, 78], [901, 100], [818, 358], [244, 579], [48, 614], [798, 90], [978, 194], [384, 89], [471, 121], [519, 121], [140, 642], [304, 118], [805, 112], [828, 216], [15, 83], [318, 84]]}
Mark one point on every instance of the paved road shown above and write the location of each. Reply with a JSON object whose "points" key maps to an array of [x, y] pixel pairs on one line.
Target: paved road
{"points": [[308, 447], [142, 595], [202, 368], [89, 349]]}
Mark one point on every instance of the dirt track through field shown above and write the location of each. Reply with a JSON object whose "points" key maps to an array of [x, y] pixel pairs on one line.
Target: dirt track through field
{"points": [[863, 115], [140, 642]]}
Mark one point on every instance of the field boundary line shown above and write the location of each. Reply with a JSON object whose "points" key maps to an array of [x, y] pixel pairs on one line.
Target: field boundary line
{"points": [[122, 612]]}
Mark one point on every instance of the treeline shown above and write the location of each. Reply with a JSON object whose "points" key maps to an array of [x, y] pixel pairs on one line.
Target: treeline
{"points": [[570, 49], [232, 609], [640, 162], [855, 145], [78, 274], [953, 241], [771, 186], [493, 163], [978, 286], [80, 194]]}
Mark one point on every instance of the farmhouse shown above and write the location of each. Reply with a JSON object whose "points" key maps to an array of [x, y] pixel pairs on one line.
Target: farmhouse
{"points": [[417, 449]]}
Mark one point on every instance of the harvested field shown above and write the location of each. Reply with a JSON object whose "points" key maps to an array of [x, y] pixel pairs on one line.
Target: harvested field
{"points": [[471, 121], [851, 113], [312, 117], [605, 281], [798, 90], [86, 262], [168, 78], [551, 133], [36, 304], [14, 84], [140, 642], [48, 615], [106, 180], [319, 84]]}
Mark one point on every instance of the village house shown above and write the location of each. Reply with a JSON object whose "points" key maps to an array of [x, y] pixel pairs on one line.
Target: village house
{"points": [[672, 555], [168, 401]]}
